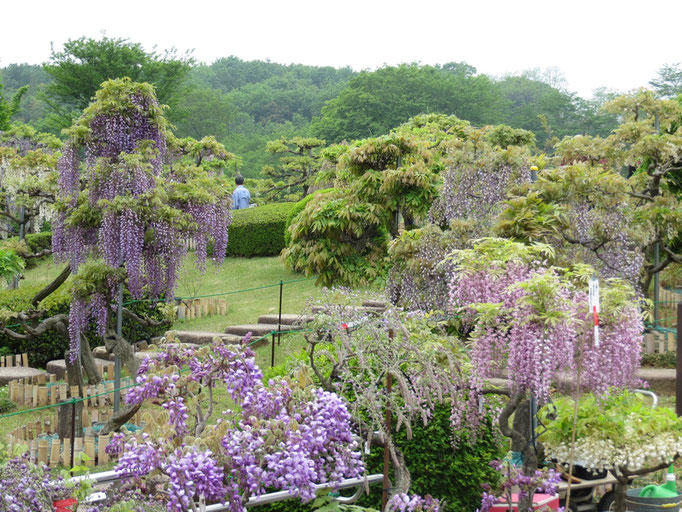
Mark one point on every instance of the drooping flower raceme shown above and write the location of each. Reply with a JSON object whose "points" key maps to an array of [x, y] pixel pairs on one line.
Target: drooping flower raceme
{"points": [[25, 487], [532, 320], [413, 503]]}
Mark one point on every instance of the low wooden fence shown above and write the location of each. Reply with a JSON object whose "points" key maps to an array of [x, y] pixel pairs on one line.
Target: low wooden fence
{"points": [[667, 307], [14, 360], [657, 342], [196, 308], [43, 390], [55, 452]]}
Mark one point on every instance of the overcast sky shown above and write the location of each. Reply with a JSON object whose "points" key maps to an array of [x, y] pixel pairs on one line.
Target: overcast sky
{"points": [[616, 44]]}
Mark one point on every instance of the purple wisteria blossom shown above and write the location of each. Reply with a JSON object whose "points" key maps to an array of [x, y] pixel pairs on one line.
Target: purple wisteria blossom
{"points": [[278, 437]]}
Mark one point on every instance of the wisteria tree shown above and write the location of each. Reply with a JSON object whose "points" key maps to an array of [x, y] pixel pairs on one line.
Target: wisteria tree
{"points": [[529, 320], [354, 353], [341, 235], [611, 202], [122, 216], [28, 162], [482, 167]]}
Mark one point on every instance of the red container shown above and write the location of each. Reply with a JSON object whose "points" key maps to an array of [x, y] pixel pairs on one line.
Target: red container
{"points": [[541, 502], [64, 505]]}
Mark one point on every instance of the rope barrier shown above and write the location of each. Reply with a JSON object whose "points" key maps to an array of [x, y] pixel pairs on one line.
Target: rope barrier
{"points": [[220, 294]]}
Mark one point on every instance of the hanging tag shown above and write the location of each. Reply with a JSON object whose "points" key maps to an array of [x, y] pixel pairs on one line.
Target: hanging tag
{"points": [[594, 307]]}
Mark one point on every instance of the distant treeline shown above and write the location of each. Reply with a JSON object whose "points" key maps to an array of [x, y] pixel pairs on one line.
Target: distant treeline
{"points": [[244, 104]]}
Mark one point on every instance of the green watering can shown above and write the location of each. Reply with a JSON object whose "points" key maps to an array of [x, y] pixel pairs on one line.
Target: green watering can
{"points": [[667, 490]]}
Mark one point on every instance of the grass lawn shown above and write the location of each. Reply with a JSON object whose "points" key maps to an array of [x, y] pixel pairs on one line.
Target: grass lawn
{"points": [[240, 281]]}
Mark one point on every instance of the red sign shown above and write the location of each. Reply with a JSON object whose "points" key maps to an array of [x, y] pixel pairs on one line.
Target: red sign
{"points": [[63, 505]]}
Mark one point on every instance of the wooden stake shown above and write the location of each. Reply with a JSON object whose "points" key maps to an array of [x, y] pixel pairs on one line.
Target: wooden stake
{"points": [[43, 446], [102, 455], [90, 451]]}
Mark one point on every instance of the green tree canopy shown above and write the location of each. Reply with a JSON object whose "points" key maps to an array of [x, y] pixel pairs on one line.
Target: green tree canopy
{"points": [[84, 64], [16, 76], [537, 106], [611, 201], [375, 102], [203, 112], [298, 163], [668, 84], [9, 107]]}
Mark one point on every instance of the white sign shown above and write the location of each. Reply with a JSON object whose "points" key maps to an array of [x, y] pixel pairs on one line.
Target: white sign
{"points": [[594, 307], [594, 294]]}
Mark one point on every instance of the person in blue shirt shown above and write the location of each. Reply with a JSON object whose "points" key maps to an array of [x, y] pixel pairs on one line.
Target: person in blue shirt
{"points": [[241, 195]]}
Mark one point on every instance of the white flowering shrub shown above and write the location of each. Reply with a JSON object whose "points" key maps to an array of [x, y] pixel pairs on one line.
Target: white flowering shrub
{"points": [[620, 432]]}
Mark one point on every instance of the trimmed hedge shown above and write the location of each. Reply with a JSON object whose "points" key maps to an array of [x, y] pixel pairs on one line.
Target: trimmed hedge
{"points": [[258, 231], [51, 345]]}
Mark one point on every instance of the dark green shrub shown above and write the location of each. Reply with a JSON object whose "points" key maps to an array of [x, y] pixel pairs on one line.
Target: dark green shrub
{"points": [[664, 360], [52, 345], [451, 474], [36, 242], [258, 231], [298, 208], [39, 241]]}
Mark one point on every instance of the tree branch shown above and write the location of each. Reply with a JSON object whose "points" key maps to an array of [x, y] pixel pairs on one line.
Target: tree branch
{"points": [[146, 322], [45, 292], [56, 322]]}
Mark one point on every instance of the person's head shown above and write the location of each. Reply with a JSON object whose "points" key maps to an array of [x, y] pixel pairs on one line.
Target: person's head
{"points": [[239, 180]]}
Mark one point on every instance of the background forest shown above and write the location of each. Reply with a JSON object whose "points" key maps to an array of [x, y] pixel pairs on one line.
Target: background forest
{"points": [[245, 104]]}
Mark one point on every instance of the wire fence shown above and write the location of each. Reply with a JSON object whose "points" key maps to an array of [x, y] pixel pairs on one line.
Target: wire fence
{"points": [[178, 299]]}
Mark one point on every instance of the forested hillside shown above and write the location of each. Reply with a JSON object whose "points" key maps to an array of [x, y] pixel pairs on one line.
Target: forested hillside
{"points": [[246, 104]]}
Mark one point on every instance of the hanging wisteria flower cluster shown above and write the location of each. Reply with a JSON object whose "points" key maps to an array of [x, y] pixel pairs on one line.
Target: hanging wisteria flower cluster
{"points": [[605, 233], [531, 319], [413, 503], [419, 278], [473, 191], [476, 191], [119, 203], [279, 437]]}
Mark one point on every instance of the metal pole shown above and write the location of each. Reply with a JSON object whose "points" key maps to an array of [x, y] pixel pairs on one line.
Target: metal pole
{"points": [[657, 261], [117, 360], [387, 426], [533, 410], [73, 425], [272, 357], [678, 380], [279, 320], [22, 222], [22, 217]]}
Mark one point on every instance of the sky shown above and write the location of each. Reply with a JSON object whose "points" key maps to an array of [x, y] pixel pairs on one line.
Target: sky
{"points": [[599, 43]]}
